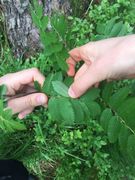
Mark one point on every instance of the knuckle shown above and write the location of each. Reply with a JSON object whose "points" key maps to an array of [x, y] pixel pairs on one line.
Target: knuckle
{"points": [[30, 102]]}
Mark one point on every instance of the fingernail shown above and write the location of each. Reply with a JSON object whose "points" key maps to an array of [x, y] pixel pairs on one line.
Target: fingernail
{"points": [[21, 116], [41, 100], [71, 93]]}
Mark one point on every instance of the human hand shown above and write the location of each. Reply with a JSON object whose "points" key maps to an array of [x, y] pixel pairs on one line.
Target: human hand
{"points": [[15, 82], [109, 59]]}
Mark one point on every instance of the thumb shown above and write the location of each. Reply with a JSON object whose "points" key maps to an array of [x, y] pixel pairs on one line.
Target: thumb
{"points": [[80, 85], [27, 102]]}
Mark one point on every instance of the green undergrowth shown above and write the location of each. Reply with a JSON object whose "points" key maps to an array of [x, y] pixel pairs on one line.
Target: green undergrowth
{"points": [[85, 28], [92, 137]]}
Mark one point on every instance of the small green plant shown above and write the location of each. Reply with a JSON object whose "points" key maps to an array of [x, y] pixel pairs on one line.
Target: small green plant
{"points": [[7, 124], [53, 38], [112, 29], [105, 14]]}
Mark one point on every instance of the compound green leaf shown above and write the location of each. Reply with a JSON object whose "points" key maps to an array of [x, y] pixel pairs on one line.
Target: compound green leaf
{"points": [[66, 111], [99, 37], [123, 31], [61, 63], [127, 112], [7, 124], [47, 86], [94, 108], [1, 107], [109, 26], [105, 118], [100, 29], [35, 19], [39, 11], [3, 91], [43, 39], [113, 129], [53, 107], [58, 76], [62, 111], [131, 146], [49, 39], [60, 24], [37, 86], [116, 29], [86, 111], [90, 95], [60, 88], [117, 99], [17, 126], [7, 113], [44, 22], [79, 113], [107, 91], [68, 81], [61, 60], [57, 47], [38, 8], [123, 138], [53, 48]]}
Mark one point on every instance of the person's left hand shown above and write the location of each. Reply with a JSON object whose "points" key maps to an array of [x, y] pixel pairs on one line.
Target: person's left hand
{"points": [[15, 82]]}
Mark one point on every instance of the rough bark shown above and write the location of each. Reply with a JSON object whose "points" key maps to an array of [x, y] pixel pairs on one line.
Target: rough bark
{"points": [[22, 34]]}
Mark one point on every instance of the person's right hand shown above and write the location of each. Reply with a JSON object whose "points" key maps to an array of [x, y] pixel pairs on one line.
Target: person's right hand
{"points": [[109, 59]]}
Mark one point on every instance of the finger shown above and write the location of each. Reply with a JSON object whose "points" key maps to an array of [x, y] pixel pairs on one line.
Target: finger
{"points": [[76, 54], [26, 77], [95, 73], [83, 53], [71, 66], [23, 114], [27, 102], [81, 71]]}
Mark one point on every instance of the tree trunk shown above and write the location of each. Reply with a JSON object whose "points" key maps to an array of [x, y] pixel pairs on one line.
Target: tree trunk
{"points": [[22, 34]]}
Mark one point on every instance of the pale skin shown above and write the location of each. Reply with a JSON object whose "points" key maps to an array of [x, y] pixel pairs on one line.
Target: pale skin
{"points": [[102, 60], [15, 82], [108, 59]]}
